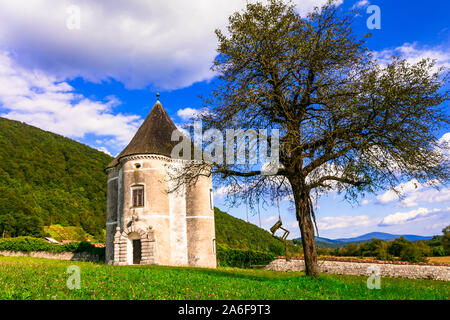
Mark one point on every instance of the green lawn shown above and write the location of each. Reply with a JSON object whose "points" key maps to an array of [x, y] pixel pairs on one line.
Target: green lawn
{"points": [[32, 278]]}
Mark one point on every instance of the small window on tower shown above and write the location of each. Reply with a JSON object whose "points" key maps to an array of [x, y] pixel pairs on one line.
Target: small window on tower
{"points": [[211, 205], [138, 196]]}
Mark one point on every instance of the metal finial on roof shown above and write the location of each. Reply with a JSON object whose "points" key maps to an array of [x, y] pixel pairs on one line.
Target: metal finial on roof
{"points": [[157, 96]]}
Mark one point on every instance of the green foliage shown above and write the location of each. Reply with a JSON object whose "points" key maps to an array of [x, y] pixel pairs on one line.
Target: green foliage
{"points": [[398, 245], [446, 239], [436, 241], [227, 257], [412, 251], [439, 251], [412, 254], [48, 179], [37, 279], [29, 244], [382, 251]]}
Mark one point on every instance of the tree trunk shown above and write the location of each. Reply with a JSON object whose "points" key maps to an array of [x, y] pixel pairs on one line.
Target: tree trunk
{"points": [[303, 212]]}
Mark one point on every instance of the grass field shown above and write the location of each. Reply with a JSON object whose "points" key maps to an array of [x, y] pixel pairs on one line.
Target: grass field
{"points": [[33, 278]]}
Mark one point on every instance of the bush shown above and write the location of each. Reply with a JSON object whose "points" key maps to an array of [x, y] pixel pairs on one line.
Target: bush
{"points": [[29, 244], [228, 257], [412, 254], [323, 251], [438, 251], [446, 239], [398, 245], [382, 252]]}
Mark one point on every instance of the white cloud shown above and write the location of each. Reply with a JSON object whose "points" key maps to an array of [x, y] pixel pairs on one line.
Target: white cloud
{"points": [[445, 139], [183, 130], [306, 6], [103, 149], [189, 113], [402, 188], [222, 192], [414, 53], [270, 219], [164, 44], [444, 145], [408, 216], [340, 222], [414, 192], [430, 195], [41, 100], [360, 4]]}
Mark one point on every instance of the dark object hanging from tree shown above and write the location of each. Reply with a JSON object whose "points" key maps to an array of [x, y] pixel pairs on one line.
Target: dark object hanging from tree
{"points": [[278, 225]]}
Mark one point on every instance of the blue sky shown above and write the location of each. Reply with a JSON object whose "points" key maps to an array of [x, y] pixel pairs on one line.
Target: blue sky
{"points": [[94, 79]]}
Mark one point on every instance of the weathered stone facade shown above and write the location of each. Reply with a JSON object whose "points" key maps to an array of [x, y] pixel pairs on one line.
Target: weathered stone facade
{"points": [[121, 245], [173, 227], [411, 271]]}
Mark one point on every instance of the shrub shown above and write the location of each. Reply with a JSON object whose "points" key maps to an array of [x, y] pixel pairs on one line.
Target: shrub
{"points": [[323, 251], [398, 245], [29, 244], [446, 239], [382, 252], [228, 257], [438, 251], [412, 254], [26, 244]]}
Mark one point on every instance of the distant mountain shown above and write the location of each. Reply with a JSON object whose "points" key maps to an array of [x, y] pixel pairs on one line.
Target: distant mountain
{"points": [[382, 236], [334, 243]]}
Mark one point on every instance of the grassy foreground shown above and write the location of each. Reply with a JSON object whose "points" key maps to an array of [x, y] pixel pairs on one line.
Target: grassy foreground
{"points": [[33, 278]]}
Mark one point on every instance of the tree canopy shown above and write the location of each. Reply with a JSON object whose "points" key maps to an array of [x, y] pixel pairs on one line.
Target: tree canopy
{"points": [[347, 122]]}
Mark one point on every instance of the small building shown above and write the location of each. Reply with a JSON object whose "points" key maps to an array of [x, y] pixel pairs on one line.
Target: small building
{"points": [[147, 224]]}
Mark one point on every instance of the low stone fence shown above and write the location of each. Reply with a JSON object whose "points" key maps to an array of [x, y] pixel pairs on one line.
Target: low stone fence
{"points": [[412, 271], [75, 256]]}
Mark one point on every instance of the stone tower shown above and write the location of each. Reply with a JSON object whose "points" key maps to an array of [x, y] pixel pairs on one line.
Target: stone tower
{"points": [[146, 224]]}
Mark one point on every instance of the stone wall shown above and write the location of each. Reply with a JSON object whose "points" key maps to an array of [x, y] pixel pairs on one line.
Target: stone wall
{"points": [[77, 256], [412, 271]]}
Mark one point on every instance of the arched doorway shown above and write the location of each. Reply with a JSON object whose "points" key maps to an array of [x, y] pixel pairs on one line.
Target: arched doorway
{"points": [[134, 252], [134, 246]]}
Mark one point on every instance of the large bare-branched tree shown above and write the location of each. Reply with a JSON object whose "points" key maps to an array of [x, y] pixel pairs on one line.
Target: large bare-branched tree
{"points": [[347, 123]]}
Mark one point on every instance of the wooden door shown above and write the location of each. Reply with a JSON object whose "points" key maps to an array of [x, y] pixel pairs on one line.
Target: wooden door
{"points": [[137, 251]]}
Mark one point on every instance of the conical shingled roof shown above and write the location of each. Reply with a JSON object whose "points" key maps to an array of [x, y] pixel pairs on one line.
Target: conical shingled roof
{"points": [[153, 137]]}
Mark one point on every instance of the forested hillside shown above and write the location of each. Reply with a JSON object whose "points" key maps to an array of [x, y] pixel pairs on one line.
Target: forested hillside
{"points": [[48, 179]]}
